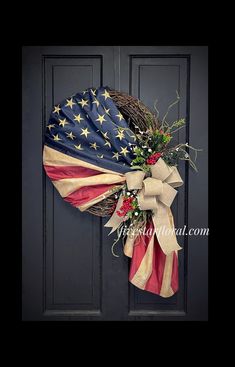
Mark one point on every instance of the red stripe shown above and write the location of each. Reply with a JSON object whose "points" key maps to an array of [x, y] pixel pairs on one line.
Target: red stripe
{"points": [[175, 277], [154, 283], [60, 172], [86, 194]]}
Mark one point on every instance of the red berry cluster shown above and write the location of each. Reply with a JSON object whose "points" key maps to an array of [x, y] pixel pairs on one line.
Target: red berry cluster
{"points": [[153, 158], [162, 133], [126, 207]]}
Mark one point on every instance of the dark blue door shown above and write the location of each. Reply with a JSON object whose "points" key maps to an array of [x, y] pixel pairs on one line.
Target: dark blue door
{"points": [[69, 272]]}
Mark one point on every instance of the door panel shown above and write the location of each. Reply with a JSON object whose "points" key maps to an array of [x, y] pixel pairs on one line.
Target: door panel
{"points": [[62, 248], [151, 78], [72, 266], [69, 272]]}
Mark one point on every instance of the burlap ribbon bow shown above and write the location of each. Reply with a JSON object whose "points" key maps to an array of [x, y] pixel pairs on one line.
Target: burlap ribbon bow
{"points": [[156, 193]]}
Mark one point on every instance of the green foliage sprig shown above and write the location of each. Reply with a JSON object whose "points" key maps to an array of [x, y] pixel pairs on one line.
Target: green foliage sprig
{"points": [[155, 140]]}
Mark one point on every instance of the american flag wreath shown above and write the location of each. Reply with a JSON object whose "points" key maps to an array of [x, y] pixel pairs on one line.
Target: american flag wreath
{"points": [[122, 165]]}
